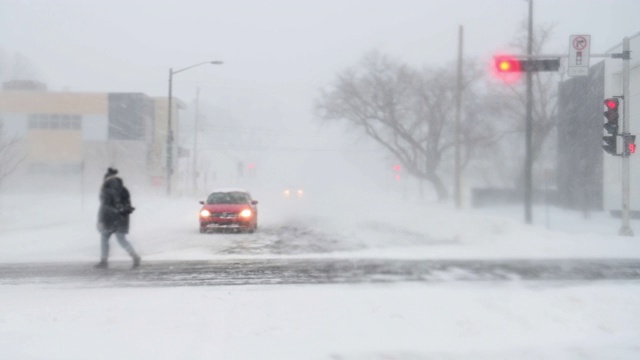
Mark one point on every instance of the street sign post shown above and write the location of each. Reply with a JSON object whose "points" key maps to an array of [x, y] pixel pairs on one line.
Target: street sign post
{"points": [[579, 52]]}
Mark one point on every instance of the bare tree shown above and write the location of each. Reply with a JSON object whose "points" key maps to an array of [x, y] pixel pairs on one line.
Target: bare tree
{"points": [[12, 67], [408, 112], [17, 67], [10, 156]]}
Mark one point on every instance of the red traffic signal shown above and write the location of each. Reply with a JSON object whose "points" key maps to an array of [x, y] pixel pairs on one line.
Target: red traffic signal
{"points": [[507, 68], [508, 64], [396, 170], [611, 115], [612, 104]]}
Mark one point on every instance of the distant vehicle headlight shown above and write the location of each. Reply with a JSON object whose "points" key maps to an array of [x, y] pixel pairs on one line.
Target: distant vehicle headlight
{"points": [[205, 213], [246, 213], [300, 193]]}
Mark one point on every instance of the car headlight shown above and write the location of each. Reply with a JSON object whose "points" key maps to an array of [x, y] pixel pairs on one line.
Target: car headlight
{"points": [[300, 193], [246, 213], [205, 213], [286, 193]]}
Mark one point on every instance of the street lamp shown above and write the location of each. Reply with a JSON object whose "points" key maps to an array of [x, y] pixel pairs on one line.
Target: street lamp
{"points": [[169, 128]]}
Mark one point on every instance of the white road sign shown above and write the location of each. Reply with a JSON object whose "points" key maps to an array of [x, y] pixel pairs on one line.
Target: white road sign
{"points": [[579, 49]]}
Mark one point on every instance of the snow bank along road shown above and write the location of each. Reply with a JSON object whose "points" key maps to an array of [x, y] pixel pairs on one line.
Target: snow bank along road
{"points": [[317, 271]]}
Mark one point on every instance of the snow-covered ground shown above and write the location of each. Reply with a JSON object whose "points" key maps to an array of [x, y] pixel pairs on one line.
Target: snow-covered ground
{"points": [[457, 320]]}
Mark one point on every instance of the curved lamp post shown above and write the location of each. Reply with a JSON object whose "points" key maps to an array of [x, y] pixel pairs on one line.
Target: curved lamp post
{"points": [[169, 128]]}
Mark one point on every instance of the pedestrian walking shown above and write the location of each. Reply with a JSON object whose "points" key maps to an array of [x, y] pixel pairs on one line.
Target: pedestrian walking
{"points": [[113, 217]]}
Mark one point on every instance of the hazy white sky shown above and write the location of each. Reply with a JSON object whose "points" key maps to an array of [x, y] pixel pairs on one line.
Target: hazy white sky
{"points": [[129, 45], [277, 53]]}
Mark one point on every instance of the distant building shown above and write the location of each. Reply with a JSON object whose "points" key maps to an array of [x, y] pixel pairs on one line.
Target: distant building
{"points": [[612, 188], [580, 154], [588, 178], [65, 133]]}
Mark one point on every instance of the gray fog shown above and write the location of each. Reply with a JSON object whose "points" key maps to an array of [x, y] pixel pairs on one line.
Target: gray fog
{"points": [[277, 57]]}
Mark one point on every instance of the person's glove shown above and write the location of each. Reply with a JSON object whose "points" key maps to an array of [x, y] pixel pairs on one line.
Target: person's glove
{"points": [[127, 210]]}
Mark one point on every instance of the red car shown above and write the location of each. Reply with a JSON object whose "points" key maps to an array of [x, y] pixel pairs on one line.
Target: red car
{"points": [[229, 209]]}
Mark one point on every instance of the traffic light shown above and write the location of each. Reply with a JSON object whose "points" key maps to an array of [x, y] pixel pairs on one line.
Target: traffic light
{"points": [[611, 126], [629, 144], [396, 170], [611, 115], [506, 64]]}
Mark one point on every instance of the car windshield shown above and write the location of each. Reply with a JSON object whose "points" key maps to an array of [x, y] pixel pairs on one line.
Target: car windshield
{"points": [[228, 198]]}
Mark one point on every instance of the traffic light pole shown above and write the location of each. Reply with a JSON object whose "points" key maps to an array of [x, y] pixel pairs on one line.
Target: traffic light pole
{"points": [[458, 166], [625, 229]]}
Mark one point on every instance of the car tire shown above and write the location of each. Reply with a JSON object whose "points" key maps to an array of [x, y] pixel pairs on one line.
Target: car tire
{"points": [[203, 230]]}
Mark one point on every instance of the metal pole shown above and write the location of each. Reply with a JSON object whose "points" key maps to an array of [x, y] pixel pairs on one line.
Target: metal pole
{"points": [[82, 187], [458, 180], [169, 136], [625, 230], [529, 127], [169, 128], [194, 170]]}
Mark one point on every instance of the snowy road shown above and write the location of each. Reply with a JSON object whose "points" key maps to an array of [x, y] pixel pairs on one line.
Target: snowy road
{"points": [[317, 271], [351, 282]]}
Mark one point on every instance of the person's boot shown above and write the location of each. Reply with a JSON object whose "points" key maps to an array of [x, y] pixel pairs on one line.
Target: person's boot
{"points": [[102, 264], [136, 261]]}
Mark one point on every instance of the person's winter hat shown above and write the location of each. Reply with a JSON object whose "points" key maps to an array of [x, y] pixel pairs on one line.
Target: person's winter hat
{"points": [[110, 172]]}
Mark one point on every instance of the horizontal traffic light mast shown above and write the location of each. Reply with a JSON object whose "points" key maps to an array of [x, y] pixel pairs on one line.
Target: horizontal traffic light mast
{"points": [[623, 55]]}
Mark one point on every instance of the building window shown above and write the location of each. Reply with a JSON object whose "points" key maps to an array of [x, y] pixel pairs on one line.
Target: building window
{"points": [[43, 123], [55, 121], [65, 122], [33, 121], [76, 122]]}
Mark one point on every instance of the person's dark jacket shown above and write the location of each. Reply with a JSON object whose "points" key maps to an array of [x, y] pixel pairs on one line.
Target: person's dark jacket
{"points": [[115, 206]]}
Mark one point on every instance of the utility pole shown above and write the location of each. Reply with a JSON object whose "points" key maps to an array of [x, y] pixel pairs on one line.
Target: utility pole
{"points": [[528, 182], [458, 181]]}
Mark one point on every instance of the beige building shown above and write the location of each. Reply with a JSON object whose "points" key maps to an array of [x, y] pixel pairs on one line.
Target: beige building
{"points": [[66, 135]]}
